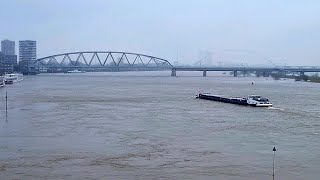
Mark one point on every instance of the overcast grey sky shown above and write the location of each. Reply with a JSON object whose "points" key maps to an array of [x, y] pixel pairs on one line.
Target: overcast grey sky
{"points": [[247, 31]]}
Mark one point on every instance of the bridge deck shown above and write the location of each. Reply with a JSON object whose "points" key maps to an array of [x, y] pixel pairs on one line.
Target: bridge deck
{"points": [[291, 69]]}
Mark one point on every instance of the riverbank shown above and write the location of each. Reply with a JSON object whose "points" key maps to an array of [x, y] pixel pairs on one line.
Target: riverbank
{"points": [[313, 78]]}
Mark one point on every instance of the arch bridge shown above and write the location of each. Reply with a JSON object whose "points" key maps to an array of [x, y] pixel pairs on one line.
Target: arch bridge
{"points": [[101, 60]]}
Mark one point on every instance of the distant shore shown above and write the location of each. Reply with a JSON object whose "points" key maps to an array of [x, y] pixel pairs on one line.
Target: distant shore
{"points": [[313, 78]]}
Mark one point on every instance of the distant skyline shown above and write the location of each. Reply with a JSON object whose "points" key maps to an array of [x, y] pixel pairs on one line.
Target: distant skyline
{"points": [[248, 32]]}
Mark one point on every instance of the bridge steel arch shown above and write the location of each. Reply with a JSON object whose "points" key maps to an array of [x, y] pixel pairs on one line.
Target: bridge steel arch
{"points": [[80, 60]]}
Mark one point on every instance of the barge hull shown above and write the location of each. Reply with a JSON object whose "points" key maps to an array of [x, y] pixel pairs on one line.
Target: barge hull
{"points": [[239, 101]]}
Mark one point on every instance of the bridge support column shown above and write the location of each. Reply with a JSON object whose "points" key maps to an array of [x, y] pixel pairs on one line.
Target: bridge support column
{"points": [[173, 72], [204, 73], [301, 73], [235, 73]]}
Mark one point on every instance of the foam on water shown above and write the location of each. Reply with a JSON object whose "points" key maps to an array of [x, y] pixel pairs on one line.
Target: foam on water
{"points": [[276, 108]]}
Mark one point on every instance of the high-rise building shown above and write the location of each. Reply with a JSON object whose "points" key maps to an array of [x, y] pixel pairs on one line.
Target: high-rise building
{"points": [[6, 63], [8, 58], [8, 47], [27, 51]]}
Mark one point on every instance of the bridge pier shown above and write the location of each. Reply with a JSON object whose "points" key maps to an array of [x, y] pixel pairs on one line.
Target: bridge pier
{"points": [[301, 73], [173, 72], [204, 74], [235, 73]]}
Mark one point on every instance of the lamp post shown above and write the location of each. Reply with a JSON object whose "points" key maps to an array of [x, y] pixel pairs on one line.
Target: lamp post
{"points": [[6, 103], [274, 154]]}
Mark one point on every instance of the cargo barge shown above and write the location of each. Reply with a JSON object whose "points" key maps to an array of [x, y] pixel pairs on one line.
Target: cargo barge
{"points": [[251, 100]]}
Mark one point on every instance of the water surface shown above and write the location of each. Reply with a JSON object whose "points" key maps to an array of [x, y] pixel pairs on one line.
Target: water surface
{"points": [[148, 125]]}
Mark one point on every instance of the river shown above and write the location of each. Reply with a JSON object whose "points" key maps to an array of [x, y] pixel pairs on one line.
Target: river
{"points": [[148, 125]]}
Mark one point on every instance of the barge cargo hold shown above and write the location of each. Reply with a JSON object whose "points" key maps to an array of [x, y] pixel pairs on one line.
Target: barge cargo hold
{"points": [[251, 100]]}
